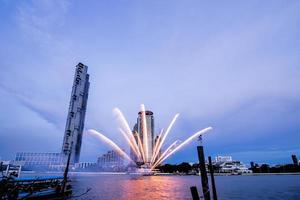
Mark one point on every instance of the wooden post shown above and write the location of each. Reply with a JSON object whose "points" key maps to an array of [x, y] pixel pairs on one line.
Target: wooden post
{"points": [[194, 192], [63, 189], [213, 185], [204, 179]]}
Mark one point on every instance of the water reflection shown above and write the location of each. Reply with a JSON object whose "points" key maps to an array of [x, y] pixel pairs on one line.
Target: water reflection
{"points": [[154, 187], [124, 187]]}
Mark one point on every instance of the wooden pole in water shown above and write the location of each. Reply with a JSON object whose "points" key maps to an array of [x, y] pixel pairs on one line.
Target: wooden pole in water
{"points": [[213, 185], [194, 192], [204, 179]]}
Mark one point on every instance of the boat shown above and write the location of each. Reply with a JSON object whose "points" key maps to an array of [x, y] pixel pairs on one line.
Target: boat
{"points": [[143, 170], [12, 186], [44, 187]]}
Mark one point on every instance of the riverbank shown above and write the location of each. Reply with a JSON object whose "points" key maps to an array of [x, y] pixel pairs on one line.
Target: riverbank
{"points": [[33, 173]]}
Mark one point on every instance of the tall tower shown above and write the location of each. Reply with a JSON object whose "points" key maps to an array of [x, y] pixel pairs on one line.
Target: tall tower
{"points": [[150, 131], [76, 114]]}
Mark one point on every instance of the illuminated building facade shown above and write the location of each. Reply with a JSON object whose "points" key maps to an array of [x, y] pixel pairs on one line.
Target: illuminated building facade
{"points": [[138, 131]]}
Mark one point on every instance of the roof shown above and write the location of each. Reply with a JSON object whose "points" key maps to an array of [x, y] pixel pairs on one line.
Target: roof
{"points": [[39, 178]]}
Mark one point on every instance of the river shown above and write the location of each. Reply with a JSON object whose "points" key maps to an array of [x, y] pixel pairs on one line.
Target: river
{"points": [[125, 187]]}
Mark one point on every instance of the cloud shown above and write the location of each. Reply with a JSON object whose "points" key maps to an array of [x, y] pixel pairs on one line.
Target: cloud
{"points": [[21, 129], [228, 66], [265, 156], [40, 19], [41, 24], [47, 111]]}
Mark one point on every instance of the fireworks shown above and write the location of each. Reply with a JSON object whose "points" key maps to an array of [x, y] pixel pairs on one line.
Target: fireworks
{"points": [[141, 148]]}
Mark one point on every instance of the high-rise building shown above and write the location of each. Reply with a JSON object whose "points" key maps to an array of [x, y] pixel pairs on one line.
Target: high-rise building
{"points": [[76, 114], [150, 132]]}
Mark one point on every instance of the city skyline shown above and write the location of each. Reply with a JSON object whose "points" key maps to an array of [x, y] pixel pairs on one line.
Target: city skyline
{"points": [[236, 70]]}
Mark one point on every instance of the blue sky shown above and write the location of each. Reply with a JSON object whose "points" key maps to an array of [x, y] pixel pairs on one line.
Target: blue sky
{"points": [[232, 65]]}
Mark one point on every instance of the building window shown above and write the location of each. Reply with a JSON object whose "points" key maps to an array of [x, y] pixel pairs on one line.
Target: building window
{"points": [[68, 132]]}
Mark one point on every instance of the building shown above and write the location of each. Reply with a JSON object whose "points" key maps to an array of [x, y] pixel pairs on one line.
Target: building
{"points": [[76, 114], [223, 159], [138, 132], [150, 132], [111, 161], [233, 167], [85, 166], [225, 164], [73, 131], [42, 161]]}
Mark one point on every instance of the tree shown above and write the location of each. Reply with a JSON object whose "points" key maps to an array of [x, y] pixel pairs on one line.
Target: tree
{"points": [[184, 167]]}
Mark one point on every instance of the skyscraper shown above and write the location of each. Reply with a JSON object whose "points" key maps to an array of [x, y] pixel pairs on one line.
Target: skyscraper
{"points": [[150, 131], [76, 113]]}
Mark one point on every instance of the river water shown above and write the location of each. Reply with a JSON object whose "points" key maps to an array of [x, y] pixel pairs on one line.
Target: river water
{"points": [[125, 187]]}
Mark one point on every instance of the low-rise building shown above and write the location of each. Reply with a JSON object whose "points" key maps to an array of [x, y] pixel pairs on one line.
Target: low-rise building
{"points": [[223, 159], [225, 164], [111, 161], [86, 166], [40, 161]]}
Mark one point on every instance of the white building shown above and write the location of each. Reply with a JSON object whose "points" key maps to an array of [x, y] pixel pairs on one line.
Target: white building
{"points": [[85, 165], [45, 160], [226, 164], [223, 159], [111, 161], [150, 132]]}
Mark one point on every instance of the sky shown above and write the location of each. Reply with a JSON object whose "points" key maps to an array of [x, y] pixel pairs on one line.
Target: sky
{"points": [[232, 65]]}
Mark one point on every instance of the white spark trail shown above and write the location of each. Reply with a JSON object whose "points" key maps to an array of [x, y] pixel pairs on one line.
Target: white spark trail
{"points": [[131, 143], [182, 144], [127, 130], [174, 144], [110, 142], [156, 144], [141, 146], [165, 135], [145, 134]]}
